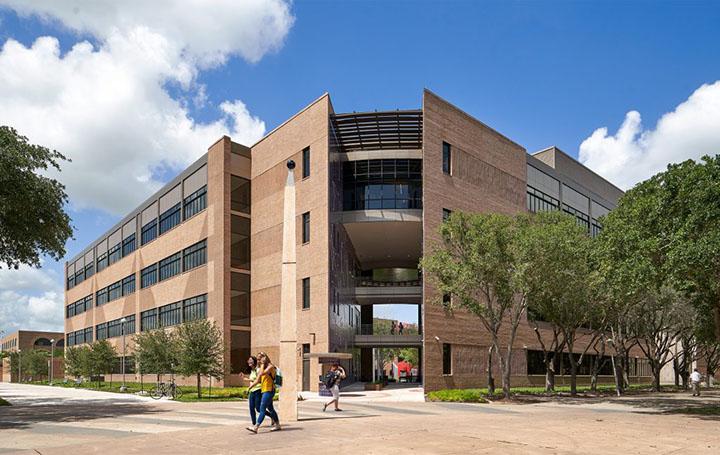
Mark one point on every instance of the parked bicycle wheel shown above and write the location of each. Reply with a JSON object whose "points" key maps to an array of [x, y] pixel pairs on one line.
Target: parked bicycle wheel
{"points": [[178, 393], [157, 392]]}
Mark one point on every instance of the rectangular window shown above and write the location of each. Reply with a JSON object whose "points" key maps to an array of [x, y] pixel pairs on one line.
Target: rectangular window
{"points": [[170, 314], [170, 218], [447, 358], [446, 214], [148, 276], [79, 276], [89, 270], [447, 159], [114, 291], [239, 194], [306, 162], [128, 245], [88, 334], [195, 308], [71, 282], [305, 227], [149, 320], [195, 203], [148, 232], [101, 331], [114, 254], [70, 311], [128, 285], [170, 266], [240, 242], [88, 303], [101, 297], [70, 339], [306, 293], [195, 255], [102, 262], [239, 299]]}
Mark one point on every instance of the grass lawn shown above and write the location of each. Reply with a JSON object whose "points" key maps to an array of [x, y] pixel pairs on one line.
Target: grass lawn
{"points": [[189, 392], [4, 403], [481, 395]]}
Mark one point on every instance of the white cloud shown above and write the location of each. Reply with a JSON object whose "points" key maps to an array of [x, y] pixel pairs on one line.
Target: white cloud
{"points": [[107, 106], [635, 153], [31, 299]]}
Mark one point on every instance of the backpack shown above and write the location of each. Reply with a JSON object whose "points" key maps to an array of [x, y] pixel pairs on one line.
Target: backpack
{"points": [[330, 379], [278, 380]]}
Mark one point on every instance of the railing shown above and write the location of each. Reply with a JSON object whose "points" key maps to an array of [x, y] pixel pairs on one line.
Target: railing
{"points": [[381, 284], [389, 329]]}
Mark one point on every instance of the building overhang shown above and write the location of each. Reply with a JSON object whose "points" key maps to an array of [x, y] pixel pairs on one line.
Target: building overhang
{"points": [[385, 238]]}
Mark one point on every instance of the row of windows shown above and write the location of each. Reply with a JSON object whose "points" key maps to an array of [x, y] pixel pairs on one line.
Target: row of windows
{"points": [[381, 170], [582, 219], [182, 261], [190, 206], [80, 336], [537, 201], [9, 344], [175, 313], [115, 328], [79, 307], [121, 288]]}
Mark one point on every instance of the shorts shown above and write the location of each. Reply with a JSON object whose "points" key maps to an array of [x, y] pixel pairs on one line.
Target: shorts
{"points": [[335, 391]]}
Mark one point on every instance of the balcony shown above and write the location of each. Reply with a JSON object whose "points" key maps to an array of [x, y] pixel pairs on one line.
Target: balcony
{"points": [[369, 292]]}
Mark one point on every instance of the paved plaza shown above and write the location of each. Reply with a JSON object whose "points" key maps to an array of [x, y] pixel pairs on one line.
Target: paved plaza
{"points": [[49, 420]]}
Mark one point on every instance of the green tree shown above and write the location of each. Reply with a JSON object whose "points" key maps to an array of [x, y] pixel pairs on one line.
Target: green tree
{"points": [[101, 358], [32, 218], [156, 352], [555, 252], [35, 363], [201, 351], [77, 361], [476, 264]]}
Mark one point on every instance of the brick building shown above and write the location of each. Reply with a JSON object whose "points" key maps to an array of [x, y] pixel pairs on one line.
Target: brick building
{"points": [[371, 192], [27, 340]]}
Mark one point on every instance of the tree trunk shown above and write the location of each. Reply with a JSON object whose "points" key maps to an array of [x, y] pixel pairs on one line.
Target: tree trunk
{"points": [[550, 376], [198, 385], [593, 381], [676, 370], [573, 375], [616, 372], [656, 379], [490, 378]]}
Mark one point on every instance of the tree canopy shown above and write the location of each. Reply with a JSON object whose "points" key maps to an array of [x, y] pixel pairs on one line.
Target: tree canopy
{"points": [[33, 221], [201, 351]]}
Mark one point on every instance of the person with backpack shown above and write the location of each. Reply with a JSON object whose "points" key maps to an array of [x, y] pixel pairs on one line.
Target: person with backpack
{"points": [[332, 383], [266, 378]]}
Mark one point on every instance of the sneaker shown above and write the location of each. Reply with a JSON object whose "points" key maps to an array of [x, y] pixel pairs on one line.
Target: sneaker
{"points": [[276, 427], [338, 410], [324, 407], [252, 429]]}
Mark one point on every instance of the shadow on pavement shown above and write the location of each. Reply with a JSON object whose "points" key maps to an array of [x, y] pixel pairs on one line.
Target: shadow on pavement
{"points": [[19, 416]]}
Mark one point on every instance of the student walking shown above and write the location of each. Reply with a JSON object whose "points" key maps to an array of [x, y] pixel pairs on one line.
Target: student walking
{"points": [[266, 379], [695, 378], [332, 383], [254, 393]]}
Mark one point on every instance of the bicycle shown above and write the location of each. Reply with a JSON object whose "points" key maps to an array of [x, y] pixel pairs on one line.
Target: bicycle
{"points": [[166, 389]]}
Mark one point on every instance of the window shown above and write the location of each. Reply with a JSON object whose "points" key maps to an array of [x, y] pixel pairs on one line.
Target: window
{"points": [[305, 227], [195, 203], [148, 232], [581, 219], [382, 184], [78, 307], [114, 254], [128, 245], [239, 299], [89, 270], [148, 276], [79, 276], [101, 331], [446, 299], [170, 314], [101, 297], [195, 255], [71, 282], [170, 218], [128, 285], [306, 293], [537, 201], [149, 320], [115, 328], [102, 262], [170, 266], [88, 303], [240, 242], [447, 158], [195, 308], [239, 194], [88, 334], [306, 162], [447, 358], [446, 214], [114, 291]]}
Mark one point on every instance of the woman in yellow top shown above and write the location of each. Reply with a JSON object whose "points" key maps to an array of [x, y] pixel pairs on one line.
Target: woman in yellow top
{"points": [[254, 394], [266, 379]]}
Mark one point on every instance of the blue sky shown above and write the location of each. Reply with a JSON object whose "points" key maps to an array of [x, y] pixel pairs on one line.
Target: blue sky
{"points": [[542, 73]]}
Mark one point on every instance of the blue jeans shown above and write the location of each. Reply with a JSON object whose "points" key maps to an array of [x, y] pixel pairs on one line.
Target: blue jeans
{"points": [[254, 401], [266, 406]]}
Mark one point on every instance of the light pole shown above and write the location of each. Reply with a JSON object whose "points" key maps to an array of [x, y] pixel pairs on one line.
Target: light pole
{"points": [[122, 327], [52, 357], [19, 366]]}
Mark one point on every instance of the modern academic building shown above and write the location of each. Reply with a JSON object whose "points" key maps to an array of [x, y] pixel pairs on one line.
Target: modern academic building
{"points": [[25, 341], [371, 192]]}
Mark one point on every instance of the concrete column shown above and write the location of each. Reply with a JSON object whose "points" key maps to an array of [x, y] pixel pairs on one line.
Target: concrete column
{"points": [[288, 306]]}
